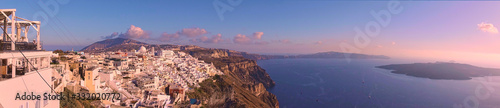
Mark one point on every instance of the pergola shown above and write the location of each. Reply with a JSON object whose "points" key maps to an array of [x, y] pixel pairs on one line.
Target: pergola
{"points": [[18, 30]]}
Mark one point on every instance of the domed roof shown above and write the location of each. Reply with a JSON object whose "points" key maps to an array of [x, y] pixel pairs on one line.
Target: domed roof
{"points": [[143, 49]]}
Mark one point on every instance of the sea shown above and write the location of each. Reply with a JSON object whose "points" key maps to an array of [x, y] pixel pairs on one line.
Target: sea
{"points": [[336, 83]]}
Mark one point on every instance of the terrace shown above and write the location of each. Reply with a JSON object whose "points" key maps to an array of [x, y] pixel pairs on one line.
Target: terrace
{"points": [[13, 63], [14, 37], [14, 33]]}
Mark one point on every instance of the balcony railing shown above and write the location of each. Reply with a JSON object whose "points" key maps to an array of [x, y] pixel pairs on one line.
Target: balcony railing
{"points": [[13, 64], [6, 71], [6, 45]]}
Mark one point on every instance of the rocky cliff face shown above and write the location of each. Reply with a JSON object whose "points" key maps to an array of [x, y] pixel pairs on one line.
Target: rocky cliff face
{"points": [[239, 67], [207, 53], [243, 84], [248, 71]]}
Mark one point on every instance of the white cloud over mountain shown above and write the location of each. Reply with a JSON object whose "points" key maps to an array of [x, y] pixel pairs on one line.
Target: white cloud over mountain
{"points": [[487, 27]]}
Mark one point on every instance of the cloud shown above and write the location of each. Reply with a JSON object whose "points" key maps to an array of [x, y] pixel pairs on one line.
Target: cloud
{"points": [[165, 37], [318, 42], [192, 32], [135, 33], [242, 39], [255, 39], [486, 27], [113, 35], [214, 39], [258, 35], [188, 32]]}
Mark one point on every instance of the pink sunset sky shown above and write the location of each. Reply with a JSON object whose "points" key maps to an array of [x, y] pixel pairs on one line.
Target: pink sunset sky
{"points": [[462, 31]]}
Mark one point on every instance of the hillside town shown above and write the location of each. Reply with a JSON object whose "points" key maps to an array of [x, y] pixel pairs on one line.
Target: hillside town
{"points": [[143, 77]]}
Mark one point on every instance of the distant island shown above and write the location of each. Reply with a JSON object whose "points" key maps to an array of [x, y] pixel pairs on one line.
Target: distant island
{"points": [[441, 70], [333, 54]]}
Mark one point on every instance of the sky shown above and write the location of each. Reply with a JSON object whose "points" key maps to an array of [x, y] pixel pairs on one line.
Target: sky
{"points": [[436, 30]]}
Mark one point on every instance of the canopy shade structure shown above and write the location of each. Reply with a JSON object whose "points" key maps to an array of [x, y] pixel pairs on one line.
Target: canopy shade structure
{"points": [[15, 32], [22, 23], [7, 12]]}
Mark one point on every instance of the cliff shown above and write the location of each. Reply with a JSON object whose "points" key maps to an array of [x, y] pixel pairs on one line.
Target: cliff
{"points": [[239, 67], [243, 84]]}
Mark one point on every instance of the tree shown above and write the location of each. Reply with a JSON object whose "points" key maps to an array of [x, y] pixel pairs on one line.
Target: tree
{"points": [[58, 51]]}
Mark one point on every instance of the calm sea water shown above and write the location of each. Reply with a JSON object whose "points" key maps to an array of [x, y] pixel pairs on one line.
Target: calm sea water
{"points": [[335, 83]]}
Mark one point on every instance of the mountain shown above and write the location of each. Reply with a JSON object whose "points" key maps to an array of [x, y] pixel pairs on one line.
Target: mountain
{"points": [[108, 43], [125, 44], [441, 70]]}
